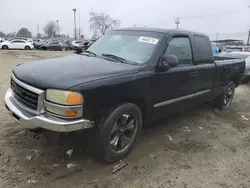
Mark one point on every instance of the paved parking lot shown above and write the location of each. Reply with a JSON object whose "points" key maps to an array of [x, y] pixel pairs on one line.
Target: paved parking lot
{"points": [[197, 148]]}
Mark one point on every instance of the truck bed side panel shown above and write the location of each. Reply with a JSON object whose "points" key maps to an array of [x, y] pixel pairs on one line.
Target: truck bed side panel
{"points": [[228, 70]]}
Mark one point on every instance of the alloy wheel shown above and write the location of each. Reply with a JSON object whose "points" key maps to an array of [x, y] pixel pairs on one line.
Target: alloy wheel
{"points": [[123, 132], [228, 96]]}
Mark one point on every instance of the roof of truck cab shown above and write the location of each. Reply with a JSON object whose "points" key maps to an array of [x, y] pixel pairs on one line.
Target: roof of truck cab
{"points": [[159, 30]]}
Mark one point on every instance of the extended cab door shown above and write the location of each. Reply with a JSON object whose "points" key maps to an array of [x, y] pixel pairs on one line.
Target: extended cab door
{"points": [[206, 69], [176, 87]]}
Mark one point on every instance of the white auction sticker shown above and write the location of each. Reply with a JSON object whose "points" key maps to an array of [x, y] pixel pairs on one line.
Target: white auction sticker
{"points": [[148, 40]]}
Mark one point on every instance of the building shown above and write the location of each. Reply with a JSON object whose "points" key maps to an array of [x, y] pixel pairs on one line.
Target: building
{"points": [[230, 42]]}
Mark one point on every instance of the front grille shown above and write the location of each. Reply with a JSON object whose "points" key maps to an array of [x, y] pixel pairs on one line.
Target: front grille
{"points": [[24, 96]]}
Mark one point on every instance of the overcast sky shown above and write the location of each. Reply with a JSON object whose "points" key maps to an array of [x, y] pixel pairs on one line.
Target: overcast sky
{"points": [[228, 18]]}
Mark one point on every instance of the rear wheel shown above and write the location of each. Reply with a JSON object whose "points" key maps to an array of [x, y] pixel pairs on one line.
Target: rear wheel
{"points": [[27, 48], [115, 132], [5, 47], [223, 101]]}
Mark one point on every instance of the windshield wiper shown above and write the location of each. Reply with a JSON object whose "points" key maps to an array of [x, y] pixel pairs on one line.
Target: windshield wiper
{"points": [[120, 59], [89, 52]]}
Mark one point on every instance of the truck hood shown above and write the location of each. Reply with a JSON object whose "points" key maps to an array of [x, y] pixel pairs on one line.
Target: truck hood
{"points": [[66, 72]]}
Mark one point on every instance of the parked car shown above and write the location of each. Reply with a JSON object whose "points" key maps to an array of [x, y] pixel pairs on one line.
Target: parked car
{"points": [[51, 45], [92, 41], [65, 46], [128, 78], [41, 42], [221, 47], [77, 45], [36, 42], [16, 44], [22, 38], [237, 49]]}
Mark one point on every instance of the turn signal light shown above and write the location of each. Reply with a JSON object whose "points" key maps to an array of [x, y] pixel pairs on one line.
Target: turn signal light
{"points": [[70, 113]]}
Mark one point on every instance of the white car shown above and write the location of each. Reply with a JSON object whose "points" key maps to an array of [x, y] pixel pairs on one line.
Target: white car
{"points": [[22, 38], [77, 44], [16, 44]]}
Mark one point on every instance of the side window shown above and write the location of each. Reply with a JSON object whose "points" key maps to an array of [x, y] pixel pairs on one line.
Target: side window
{"points": [[182, 49], [203, 49], [55, 42], [247, 49]]}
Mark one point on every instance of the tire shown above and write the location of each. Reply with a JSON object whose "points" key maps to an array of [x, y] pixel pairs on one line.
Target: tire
{"points": [[246, 80], [27, 48], [115, 132], [223, 101], [5, 47]]}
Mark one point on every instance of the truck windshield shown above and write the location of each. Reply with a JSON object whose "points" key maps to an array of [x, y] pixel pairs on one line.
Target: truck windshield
{"points": [[133, 46]]}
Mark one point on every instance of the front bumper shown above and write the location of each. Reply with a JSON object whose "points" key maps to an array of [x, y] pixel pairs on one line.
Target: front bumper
{"points": [[45, 121]]}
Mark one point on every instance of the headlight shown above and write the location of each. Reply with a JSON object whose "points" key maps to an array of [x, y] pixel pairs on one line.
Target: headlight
{"points": [[64, 97], [64, 103]]}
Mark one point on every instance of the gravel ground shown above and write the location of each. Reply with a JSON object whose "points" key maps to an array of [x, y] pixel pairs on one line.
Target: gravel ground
{"points": [[197, 148]]}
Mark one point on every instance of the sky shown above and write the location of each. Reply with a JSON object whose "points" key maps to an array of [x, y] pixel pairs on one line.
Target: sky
{"points": [[218, 18]]}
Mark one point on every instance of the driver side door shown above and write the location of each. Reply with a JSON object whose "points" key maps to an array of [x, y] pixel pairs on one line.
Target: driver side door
{"points": [[174, 88]]}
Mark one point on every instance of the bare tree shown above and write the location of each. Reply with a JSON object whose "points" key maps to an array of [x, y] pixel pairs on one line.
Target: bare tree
{"points": [[101, 22], [50, 29]]}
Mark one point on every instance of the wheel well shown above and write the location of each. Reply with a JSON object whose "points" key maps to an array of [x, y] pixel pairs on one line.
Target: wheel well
{"points": [[137, 101], [236, 80], [140, 103]]}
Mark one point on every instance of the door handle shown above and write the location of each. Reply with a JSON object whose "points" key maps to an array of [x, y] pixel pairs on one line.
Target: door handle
{"points": [[194, 73]]}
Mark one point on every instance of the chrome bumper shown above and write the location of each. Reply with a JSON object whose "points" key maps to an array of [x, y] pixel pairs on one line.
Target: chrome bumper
{"points": [[31, 121]]}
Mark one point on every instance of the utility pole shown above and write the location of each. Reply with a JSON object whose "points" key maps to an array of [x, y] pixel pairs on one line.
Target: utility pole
{"points": [[79, 24], [74, 10], [57, 27], [248, 38], [217, 36], [177, 22]]}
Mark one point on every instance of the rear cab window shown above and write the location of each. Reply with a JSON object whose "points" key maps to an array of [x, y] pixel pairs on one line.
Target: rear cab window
{"points": [[203, 49]]}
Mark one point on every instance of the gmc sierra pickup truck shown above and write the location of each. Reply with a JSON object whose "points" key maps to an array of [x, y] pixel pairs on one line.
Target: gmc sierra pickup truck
{"points": [[125, 79]]}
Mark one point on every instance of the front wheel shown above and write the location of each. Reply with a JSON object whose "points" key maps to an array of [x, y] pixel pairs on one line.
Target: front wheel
{"points": [[115, 132], [224, 100], [27, 48]]}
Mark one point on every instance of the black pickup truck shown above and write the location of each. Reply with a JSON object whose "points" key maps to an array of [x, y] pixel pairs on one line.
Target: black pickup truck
{"points": [[127, 78]]}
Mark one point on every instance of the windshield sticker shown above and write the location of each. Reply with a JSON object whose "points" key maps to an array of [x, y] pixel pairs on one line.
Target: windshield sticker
{"points": [[148, 40]]}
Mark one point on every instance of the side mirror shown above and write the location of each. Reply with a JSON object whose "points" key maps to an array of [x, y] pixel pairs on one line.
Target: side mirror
{"points": [[170, 61]]}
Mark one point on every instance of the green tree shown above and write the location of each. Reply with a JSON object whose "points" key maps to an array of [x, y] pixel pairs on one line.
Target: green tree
{"points": [[24, 32]]}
